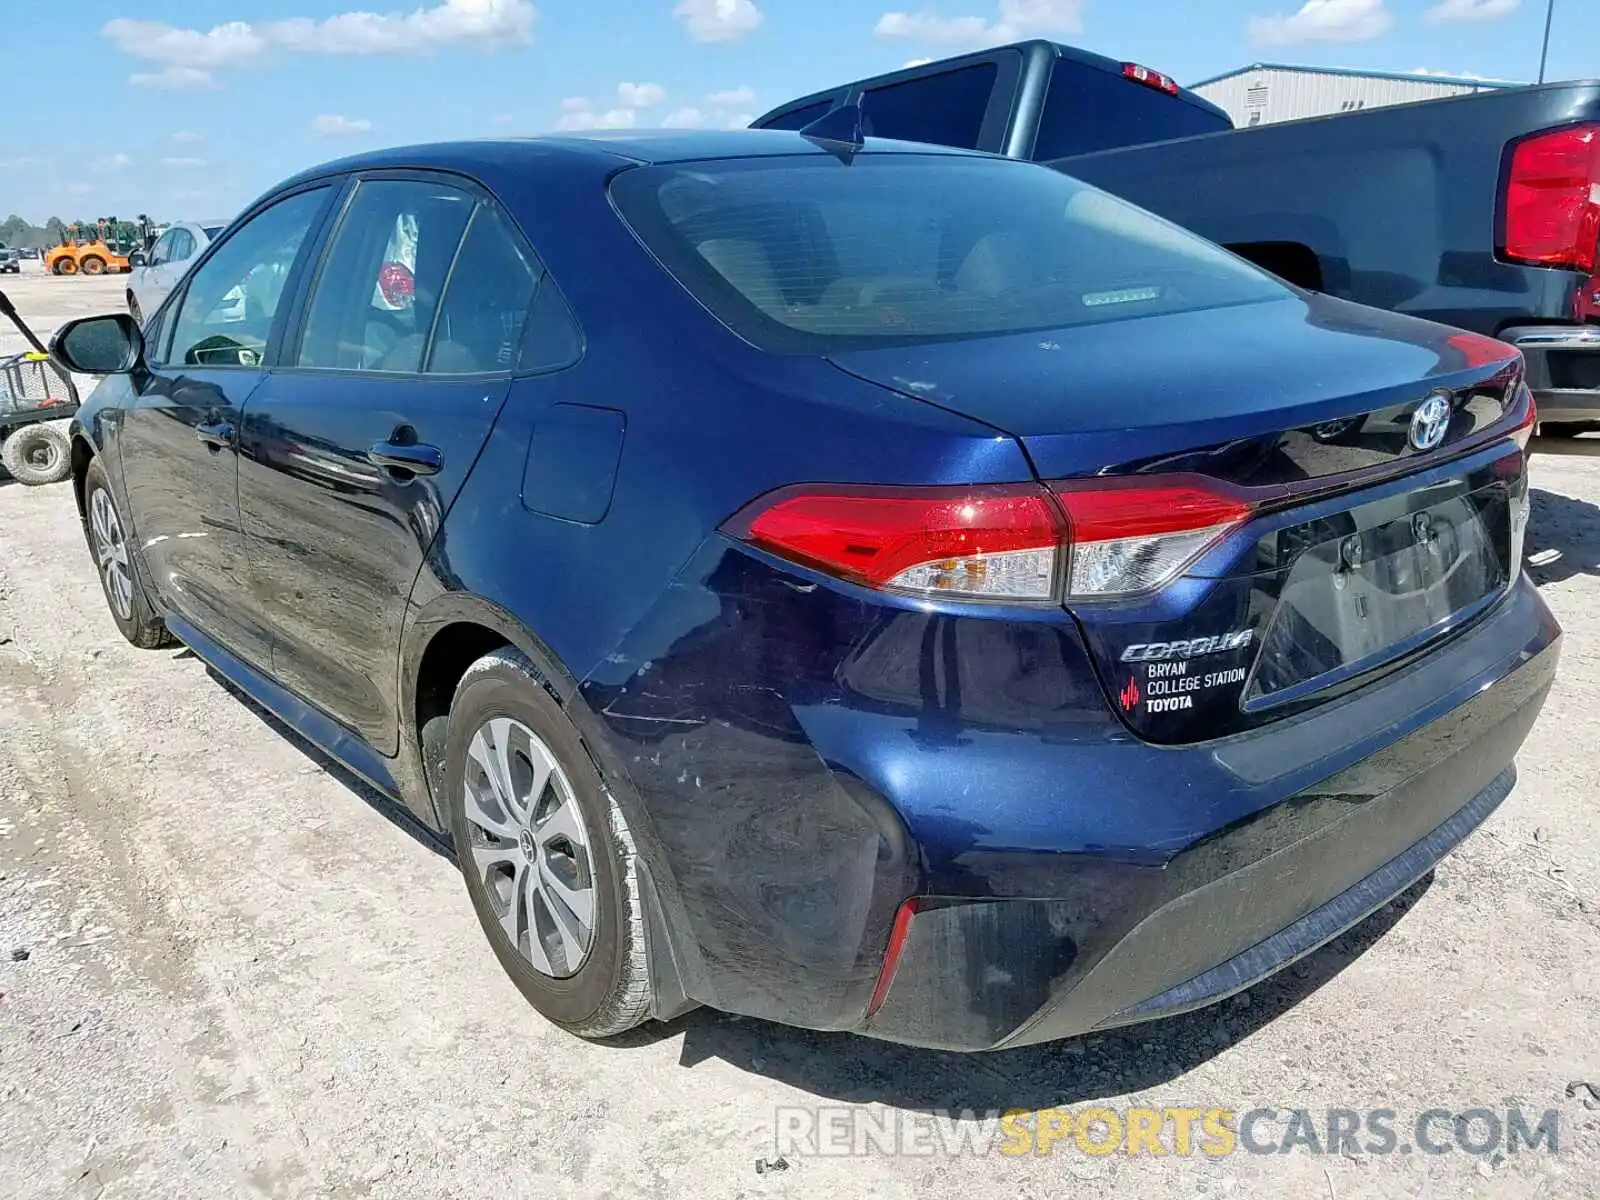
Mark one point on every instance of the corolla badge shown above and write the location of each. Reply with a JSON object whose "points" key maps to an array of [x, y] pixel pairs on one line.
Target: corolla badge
{"points": [[1430, 422]]}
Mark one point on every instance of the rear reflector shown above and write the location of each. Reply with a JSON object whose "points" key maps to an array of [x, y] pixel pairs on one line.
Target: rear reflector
{"points": [[1153, 79], [1115, 537], [1552, 200], [891, 957]]}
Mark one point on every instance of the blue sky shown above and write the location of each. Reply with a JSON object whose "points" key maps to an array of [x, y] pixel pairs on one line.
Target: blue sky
{"points": [[189, 108]]}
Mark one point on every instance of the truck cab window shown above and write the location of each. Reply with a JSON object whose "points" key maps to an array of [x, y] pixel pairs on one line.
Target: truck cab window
{"points": [[1087, 109], [946, 109]]}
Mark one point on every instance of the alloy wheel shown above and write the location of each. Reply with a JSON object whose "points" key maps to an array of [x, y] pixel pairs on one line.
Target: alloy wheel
{"points": [[111, 552], [529, 847]]}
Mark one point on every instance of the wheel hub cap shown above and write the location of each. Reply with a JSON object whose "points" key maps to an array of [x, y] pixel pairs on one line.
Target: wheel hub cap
{"points": [[529, 847]]}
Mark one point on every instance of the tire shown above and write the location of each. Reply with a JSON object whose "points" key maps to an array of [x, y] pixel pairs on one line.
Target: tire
{"points": [[135, 619], [38, 454], [502, 703], [93, 265], [65, 266], [134, 311]]}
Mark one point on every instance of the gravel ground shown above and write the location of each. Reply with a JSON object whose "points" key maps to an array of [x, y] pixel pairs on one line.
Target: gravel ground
{"points": [[222, 973]]}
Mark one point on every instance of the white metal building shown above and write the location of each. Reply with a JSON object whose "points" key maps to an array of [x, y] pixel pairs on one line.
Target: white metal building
{"points": [[1267, 92]]}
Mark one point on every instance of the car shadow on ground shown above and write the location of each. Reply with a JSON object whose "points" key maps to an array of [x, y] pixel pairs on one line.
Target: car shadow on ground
{"points": [[1563, 537], [396, 813], [846, 1068]]}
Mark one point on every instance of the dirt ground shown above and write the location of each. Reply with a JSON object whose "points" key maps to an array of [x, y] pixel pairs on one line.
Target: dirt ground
{"points": [[224, 973]]}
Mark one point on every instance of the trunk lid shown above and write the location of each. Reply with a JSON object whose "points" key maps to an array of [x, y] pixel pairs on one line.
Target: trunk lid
{"points": [[1372, 533]]}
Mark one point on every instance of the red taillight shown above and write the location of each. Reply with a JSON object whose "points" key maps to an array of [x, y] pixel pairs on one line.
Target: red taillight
{"points": [[891, 957], [1118, 537], [992, 542], [1552, 202], [1523, 433], [1154, 79]]}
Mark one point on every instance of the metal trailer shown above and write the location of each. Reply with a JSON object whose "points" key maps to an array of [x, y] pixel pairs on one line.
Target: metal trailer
{"points": [[37, 400]]}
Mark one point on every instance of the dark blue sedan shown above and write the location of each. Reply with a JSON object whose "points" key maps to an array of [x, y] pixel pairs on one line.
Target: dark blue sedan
{"points": [[869, 588]]}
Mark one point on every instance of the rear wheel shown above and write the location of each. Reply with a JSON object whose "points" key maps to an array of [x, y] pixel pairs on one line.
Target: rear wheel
{"points": [[65, 266], [37, 454], [93, 265], [548, 857], [113, 556]]}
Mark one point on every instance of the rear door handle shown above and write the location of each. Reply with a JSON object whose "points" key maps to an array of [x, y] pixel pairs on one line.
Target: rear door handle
{"points": [[413, 459], [217, 435]]}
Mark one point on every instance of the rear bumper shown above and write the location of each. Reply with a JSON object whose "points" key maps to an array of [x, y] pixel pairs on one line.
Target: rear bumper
{"points": [[1563, 369], [1121, 942]]}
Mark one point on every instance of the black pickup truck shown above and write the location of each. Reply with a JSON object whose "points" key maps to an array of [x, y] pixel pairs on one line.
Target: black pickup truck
{"points": [[1478, 211]]}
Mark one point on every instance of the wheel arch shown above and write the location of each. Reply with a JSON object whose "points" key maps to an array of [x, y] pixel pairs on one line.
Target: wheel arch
{"points": [[442, 639]]}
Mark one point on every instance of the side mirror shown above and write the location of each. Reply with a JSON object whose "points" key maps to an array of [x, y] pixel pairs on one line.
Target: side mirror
{"points": [[137, 259], [108, 345]]}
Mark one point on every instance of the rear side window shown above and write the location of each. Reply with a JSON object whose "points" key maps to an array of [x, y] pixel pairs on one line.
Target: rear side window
{"points": [[799, 118], [1087, 109], [810, 255], [491, 287], [943, 110], [381, 284]]}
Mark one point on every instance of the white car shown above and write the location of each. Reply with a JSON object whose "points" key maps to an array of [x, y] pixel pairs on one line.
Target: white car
{"points": [[158, 271]]}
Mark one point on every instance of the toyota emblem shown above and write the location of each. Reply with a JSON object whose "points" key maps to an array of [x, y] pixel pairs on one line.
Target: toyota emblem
{"points": [[1430, 422]]}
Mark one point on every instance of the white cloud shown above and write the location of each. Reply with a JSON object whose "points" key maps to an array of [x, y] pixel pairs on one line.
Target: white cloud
{"points": [[640, 95], [1324, 21], [683, 118], [1460, 75], [1469, 10], [718, 20], [739, 97], [185, 137], [1014, 19], [174, 79], [582, 118], [183, 163], [740, 120], [190, 55], [574, 104], [916, 62], [113, 162], [333, 125]]}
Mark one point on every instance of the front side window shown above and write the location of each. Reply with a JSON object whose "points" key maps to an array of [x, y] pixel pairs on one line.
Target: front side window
{"points": [[379, 289], [182, 245], [225, 318], [806, 254], [162, 251]]}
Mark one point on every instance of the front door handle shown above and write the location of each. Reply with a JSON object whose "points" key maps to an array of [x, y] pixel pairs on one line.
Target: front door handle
{"points": [[217, 435], [413, 459]]}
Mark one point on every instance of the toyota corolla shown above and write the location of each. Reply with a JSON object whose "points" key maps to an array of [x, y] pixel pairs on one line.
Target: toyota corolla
{"points": [[869, 587]]}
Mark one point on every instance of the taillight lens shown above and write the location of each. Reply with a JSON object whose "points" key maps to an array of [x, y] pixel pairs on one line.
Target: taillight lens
{"points": [[1552, 203], [1523, 433], [1137, 536], [996, 543], [1116, 538]]}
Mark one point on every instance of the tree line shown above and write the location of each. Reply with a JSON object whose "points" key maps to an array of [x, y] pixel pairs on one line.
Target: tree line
{"points": [[15, 231]]}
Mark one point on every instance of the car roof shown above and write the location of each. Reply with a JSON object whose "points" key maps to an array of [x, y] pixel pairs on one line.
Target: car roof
{"points": [[626, 147]]}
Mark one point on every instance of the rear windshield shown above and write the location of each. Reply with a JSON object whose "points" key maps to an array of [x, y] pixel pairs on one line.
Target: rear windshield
{"points": [[810, 255], [1087, 109]]}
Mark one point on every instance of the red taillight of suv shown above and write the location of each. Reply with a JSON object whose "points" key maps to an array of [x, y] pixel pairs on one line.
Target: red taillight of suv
{"points": [[1099, 540], [1552, 199]]}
